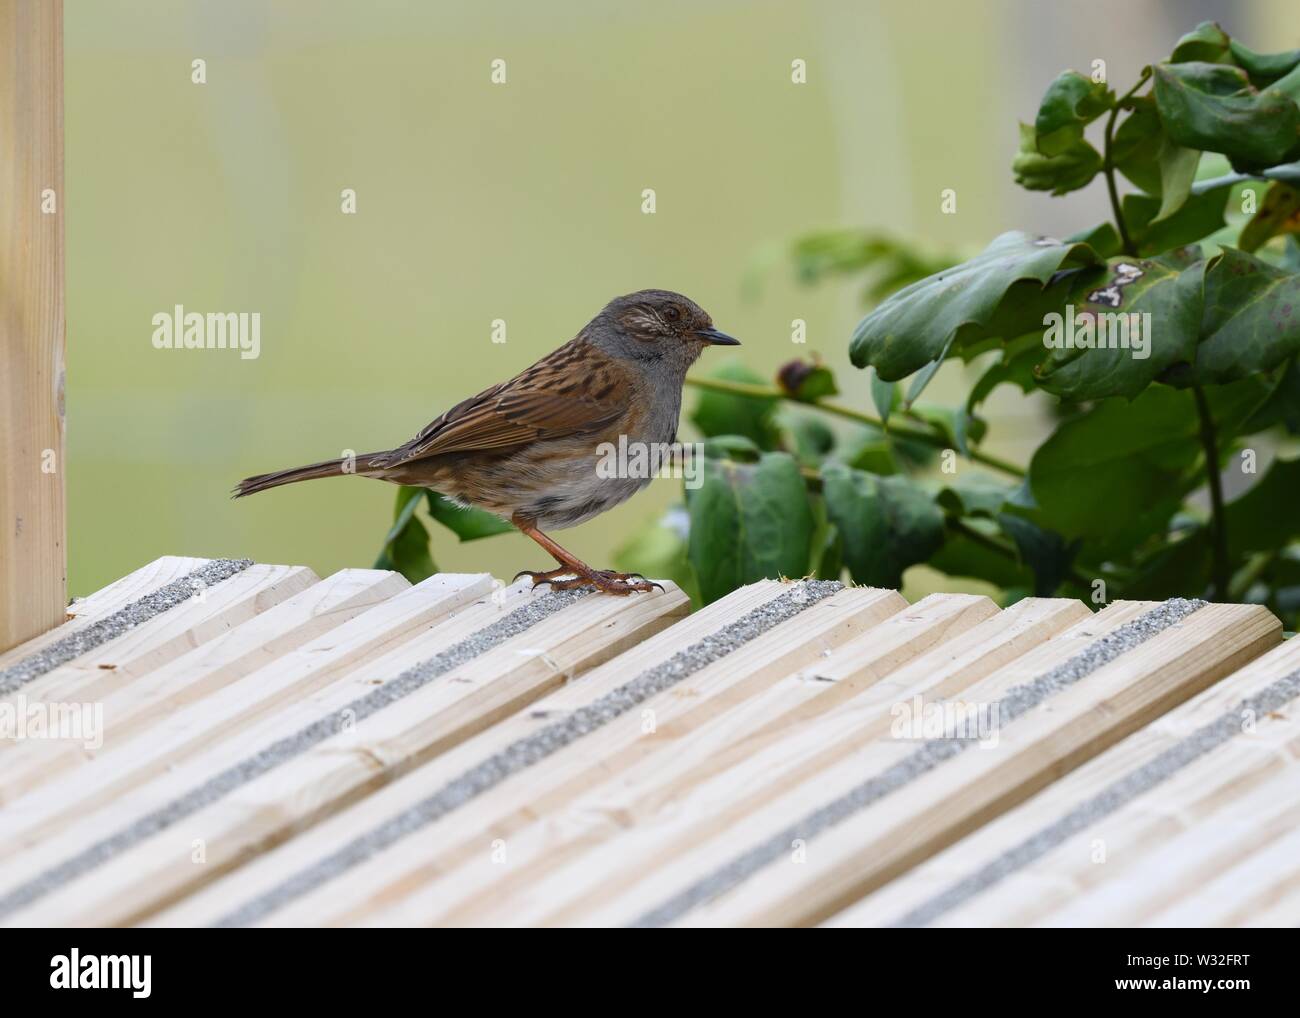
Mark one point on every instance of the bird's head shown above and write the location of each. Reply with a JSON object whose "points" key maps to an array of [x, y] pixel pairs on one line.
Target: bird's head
{"points": [[656, 325]]}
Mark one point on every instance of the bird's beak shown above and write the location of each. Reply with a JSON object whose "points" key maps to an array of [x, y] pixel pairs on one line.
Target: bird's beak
{"points": [[715, 338]]}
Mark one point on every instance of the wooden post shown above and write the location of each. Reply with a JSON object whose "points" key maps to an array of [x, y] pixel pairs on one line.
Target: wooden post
{"points": [[33, 546]]}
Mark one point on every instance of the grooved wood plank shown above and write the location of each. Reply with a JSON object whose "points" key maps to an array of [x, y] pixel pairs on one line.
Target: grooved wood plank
{"points": [[586, 799], [68, 809], [331, 773], [133, 710], [212, 902], [87, 610], [122, 661], [900, 831], [1200, 848], [575, 859]]}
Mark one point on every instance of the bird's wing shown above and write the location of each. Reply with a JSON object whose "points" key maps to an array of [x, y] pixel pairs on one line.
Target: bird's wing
{"points": [[564, 394]]}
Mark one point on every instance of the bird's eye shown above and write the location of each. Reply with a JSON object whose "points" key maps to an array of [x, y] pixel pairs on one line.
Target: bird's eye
{"points": [[672, 314]]}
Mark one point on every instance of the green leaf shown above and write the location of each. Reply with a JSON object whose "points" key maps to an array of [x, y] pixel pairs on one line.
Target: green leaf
{"points": [[1015, 366], [1001, 292], [885, 396], [1101, 310], [1195, 219], [1254, 522], [467, 524], [1071, 103], [1177, 171], [1138, 143], [1252, 317], [1264, 68], [732, 447], [813, 438], [973, 494], [962, 555], [1069, 169], [406, 546], [1044, 551], [721, 413], [748, 521], [1103, 239], [887, 523], [1214, 107], [1282, 406], [1206, 43], [1117, 474]]}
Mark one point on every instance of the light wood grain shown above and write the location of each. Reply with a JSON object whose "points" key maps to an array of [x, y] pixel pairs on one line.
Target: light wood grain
{"points": [[329, 775], [282, 861], [33, 525], [900, 831], [132, 709]]}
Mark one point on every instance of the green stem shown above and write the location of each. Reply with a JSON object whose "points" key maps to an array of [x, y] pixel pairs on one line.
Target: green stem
{"points": [[931, 438], [1108, 165], [1221, 574]]}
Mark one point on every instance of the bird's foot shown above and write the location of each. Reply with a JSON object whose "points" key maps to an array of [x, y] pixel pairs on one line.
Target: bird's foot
{"points": [[605, 580]]}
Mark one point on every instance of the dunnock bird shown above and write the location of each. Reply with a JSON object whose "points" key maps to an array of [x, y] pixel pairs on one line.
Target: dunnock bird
{"points": [[527, 449]]}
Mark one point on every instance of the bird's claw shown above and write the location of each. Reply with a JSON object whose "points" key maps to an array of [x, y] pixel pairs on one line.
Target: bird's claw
{"points": [[604, 580]]}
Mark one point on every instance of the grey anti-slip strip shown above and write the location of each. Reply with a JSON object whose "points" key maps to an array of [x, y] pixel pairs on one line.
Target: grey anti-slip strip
{"points": [[512, 624], [83, 641], [525, 752], [1017, 701], [1138, 781]]}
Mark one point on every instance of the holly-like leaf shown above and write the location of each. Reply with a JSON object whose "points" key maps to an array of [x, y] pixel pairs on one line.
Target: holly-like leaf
{"points": [[1117, 473], [406, 546], [1128, 326], [1001, 292], [1071, 103], [887, 523], [468, 524], [748, 521], [1214, 107], [721, 413], [1067, 170], [1252, 317]]}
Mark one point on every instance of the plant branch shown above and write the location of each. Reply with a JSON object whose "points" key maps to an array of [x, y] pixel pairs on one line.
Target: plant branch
{"points": [[932, 438], [1221, 575], [1108, 165]]}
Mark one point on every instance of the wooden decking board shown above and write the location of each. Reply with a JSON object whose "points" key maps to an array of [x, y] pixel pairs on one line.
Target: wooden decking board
{"points": [[283, 750], [133, 710], [320, 774], [1144, 844]]}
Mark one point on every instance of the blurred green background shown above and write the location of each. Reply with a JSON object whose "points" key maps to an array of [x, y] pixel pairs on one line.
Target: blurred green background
{"points": [[519, 201]]}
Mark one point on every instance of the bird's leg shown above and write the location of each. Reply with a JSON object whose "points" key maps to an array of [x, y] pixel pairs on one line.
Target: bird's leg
{"points": [[582, 575]]}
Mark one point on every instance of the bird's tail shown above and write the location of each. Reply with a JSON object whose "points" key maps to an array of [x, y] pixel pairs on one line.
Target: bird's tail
{"points": [[325, 468]]}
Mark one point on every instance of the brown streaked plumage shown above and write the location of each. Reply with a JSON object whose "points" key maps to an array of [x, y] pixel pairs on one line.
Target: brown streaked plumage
{"points": [[526, 449]]}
